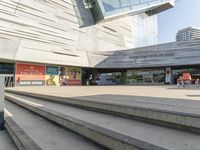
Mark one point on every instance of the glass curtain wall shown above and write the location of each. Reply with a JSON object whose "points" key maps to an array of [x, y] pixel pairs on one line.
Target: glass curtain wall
{"points": [[112, 7], [145, 76], [103, 9], [194, 71], [114, 78], [97, 12]]}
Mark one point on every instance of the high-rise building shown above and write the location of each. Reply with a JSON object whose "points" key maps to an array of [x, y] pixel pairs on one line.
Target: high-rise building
{"points": [[190, 33], [62, 32]]}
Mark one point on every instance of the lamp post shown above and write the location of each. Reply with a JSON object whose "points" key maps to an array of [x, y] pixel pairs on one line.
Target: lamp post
{"points": [[2, 80]]}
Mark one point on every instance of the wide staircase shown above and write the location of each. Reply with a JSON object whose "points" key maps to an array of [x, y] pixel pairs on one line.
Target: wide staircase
{"points": [[38, 121]]}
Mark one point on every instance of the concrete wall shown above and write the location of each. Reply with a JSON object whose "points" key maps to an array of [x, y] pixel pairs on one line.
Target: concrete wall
{"points": [[31, 29], [58, 32]]}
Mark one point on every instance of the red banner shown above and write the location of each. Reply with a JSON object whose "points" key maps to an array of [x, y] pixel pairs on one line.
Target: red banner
{"points": [[30, 74]]}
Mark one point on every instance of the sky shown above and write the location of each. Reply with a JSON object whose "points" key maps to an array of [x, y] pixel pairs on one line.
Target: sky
{"points": [[186, 13]]}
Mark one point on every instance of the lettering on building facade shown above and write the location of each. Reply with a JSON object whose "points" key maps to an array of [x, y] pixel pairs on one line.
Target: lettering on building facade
{"points": [[153, 56]]}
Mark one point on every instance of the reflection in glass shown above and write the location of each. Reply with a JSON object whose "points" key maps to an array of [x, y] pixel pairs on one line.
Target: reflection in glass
{"points": [[104, 9], [120, 5], [146, 76], [194, 71]]}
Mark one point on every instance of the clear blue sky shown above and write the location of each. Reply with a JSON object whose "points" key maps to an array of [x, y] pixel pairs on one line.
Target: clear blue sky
{"points": [[186, 13]]}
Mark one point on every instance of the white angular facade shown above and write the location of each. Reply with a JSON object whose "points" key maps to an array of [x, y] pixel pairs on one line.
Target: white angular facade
{"points": [[60, 31]]}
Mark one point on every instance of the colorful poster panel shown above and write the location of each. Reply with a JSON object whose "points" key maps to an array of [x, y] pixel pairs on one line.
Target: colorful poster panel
{"points": [[70, 76], [30, 75], [74, 74], [63, 76], [52, 76]]}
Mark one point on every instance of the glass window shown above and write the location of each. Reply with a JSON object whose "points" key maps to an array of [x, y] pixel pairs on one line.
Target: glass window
{"points": [[108, 8], [194, 71], [135, 2], [124, 5], [6, 68], [97, 12], [145, 76], [113, 78], [110, 5]]}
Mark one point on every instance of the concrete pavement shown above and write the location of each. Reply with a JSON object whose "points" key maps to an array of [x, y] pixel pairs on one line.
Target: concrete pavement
{"points": [[6, 142], [146, 91], [129, 129], [46, 135], [67, 106], [155, 97]]}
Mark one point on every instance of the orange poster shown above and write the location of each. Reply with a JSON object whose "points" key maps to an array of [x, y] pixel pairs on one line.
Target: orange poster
{"points": [[30, 75]]}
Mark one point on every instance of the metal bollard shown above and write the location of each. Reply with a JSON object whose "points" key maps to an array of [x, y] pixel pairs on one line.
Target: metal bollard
{"points": [[2, 86]]}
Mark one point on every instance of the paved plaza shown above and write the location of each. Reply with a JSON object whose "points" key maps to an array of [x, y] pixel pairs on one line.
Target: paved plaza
{"points": [[172, 92], [169, 98]]}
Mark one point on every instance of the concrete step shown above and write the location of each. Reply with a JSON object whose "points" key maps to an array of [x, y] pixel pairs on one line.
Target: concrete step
{"points": [[113, 132], [6, 142], [172, 113], [31, 132]]}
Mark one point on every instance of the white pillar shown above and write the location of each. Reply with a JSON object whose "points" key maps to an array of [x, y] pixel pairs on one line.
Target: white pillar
{"points": [[168, 75], [2, 80]]}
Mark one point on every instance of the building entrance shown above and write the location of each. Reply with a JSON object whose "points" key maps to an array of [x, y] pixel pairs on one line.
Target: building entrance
{"points": [[146, 76], [103, 77], [177, 72]]}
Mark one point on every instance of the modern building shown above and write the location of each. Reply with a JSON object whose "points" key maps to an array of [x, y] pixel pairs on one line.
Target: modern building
{"points": [[148, 65], [190, 33], [61, 42]]}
